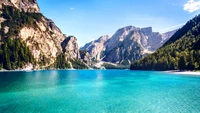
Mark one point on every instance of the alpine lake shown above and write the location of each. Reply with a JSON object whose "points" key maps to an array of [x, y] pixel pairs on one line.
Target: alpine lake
{"points": [[98, 91]]}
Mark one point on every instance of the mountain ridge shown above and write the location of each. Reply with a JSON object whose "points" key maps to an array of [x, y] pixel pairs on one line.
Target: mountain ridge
{"points": [[128, 38]]}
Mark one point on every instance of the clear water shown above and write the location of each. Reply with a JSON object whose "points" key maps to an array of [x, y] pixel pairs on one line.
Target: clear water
{"points": [[96, 91]]}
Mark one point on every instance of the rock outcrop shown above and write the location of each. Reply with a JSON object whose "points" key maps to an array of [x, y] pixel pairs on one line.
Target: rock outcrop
{"points": [[86, 57], [25, 5], [166, 36], [70, 48], [43, 41]]}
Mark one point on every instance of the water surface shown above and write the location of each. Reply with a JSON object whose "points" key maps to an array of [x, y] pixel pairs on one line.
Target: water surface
{"points": [[97, 91]]}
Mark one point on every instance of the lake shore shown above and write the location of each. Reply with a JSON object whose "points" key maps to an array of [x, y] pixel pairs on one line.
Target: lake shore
{"points": [[32, 70], [184, 72], [196, 73]]}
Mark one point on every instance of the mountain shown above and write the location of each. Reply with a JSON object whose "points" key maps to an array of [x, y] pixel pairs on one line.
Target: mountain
{"points": [[180, 52], [86, 58], [97, 48], [30, 40], [30, 6], [127, 45]]}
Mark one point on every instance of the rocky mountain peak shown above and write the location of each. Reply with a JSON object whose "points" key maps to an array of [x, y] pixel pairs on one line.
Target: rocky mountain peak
{"points": [[126, 29], [97, 47], [30, 6], [147, 30], [119, 36], [102, 39], [52, 25], [34, 1]]}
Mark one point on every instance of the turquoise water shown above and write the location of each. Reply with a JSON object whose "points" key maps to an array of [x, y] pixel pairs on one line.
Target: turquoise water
{"points": [[96, 91]]}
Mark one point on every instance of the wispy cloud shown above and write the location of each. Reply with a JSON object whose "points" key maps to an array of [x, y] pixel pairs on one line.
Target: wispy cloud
{"points": [[192, 6], [71, 8], [172, 27]]}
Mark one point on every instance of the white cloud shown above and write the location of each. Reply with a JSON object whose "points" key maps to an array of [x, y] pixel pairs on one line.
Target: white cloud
{"points": [[192, 6], [71, 8]]}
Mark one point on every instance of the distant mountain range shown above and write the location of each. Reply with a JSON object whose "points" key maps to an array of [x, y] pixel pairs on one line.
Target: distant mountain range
{"points": [[180, 52], [127, 45]]}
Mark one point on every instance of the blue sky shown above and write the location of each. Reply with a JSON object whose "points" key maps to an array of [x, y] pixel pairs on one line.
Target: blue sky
{"points": [[89, 19]]}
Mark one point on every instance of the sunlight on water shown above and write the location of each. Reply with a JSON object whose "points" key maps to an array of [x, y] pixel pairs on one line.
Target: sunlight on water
{"points": [[117, 91]]}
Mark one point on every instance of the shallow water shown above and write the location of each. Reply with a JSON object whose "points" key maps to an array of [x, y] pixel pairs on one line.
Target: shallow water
{"points": [[98, 91]]}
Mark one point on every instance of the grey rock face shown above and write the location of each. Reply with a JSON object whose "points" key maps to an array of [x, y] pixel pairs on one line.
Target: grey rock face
{"points": [[167, 35], [97, 48], [129, 44], [70, 47], [147, 30], [86, 57], [43, 41], [126, 51], [118, 37], [52, 25], [26, 5]]}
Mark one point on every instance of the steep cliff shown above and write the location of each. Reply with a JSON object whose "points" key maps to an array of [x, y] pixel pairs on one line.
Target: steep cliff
{"points": [[21, 19], [86, 57], [70, 48], [97, 48]]}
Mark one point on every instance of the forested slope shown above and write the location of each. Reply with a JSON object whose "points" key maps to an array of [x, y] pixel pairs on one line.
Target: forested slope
{"points": [[180, 52]]}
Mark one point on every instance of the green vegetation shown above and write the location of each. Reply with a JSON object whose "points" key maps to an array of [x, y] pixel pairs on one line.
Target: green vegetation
{"points": [[77, 64], [14, 54], [83, 54], [180, 52], [61, 62], [15, 20]]}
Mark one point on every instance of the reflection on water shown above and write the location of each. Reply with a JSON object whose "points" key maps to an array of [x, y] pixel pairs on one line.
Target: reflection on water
{"points": [[99, 76], [23, 81]]}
